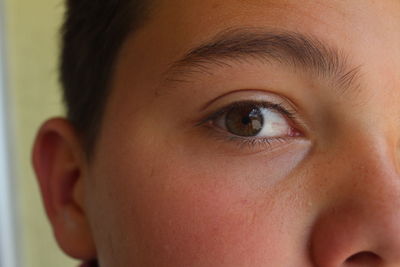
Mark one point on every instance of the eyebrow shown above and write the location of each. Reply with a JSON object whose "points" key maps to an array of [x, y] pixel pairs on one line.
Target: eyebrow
{"points": [[294, 49]]}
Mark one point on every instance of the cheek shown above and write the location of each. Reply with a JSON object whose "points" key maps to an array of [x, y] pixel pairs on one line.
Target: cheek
{"points": [[174, 210], [197, 223], [175, 202], [200, 224]]}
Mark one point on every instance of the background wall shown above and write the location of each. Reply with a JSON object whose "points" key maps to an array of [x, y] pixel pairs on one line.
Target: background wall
{"points": [[32, 41]]}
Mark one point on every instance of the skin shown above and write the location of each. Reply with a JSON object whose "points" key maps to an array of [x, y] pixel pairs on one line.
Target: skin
{"points": [[159, 191]]}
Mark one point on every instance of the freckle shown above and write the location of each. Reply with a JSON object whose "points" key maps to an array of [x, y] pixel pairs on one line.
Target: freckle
{"points": [[215, 5], [167, 248], [151, 172], [245, 202], [170, 222]]}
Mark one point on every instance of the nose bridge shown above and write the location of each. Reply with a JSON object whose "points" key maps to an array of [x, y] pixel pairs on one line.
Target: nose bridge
{"points": [[372, 190], [363, 214], [376, 196], [373, 174]]}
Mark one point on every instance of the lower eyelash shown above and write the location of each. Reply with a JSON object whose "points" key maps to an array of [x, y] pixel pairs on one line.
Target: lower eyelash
{"points": [[243, 142], [255, 142]]}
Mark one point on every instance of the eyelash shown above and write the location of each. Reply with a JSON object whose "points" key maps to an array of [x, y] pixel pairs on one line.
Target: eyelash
{"points": [[251, 142]]}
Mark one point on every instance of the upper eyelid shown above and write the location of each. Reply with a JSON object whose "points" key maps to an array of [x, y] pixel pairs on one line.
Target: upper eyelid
{"points": [[254, 91], [290, 114]]}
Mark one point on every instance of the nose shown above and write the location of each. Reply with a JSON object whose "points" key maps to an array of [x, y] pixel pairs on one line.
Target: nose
{"points": [[361, 224]]}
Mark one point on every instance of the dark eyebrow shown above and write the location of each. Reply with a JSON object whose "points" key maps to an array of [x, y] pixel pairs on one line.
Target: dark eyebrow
{"points": [[248, 44]]}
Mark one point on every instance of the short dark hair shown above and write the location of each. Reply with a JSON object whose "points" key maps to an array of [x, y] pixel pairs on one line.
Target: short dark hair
{"points": [[92, 34]]}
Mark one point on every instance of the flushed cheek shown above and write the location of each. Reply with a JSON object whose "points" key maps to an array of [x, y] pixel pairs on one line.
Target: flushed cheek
{"points": [[179, 208], [196, 230], [205, 223]]}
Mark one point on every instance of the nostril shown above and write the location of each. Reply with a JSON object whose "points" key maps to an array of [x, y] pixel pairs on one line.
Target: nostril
{"points": [[364, 258]]}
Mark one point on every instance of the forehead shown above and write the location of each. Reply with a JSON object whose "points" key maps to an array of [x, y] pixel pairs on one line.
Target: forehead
{"points": [[205, 15], [367, 31]]}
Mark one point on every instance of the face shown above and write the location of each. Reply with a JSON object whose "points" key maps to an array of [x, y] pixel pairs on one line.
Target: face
{"points": [[252, 133]]}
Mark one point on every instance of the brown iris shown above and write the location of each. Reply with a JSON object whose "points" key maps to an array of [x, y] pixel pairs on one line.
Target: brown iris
{"points": [[244, 121]]}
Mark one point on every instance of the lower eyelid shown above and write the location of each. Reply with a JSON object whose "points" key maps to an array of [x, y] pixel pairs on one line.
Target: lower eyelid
{"points": [[251, 143]]}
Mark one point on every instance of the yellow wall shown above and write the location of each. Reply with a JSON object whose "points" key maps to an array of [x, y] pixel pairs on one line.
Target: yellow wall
{"points": [[32, 32]]}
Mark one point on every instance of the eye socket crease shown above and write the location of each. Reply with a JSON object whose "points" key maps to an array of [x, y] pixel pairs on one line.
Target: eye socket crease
{"points": [[250, 45]]}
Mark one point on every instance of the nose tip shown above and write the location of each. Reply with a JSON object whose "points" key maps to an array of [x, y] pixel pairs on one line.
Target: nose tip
{"points": [[345, 237], [361, 225]]}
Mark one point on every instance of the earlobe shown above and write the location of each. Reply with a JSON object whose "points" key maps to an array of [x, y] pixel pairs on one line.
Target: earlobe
{"points": [[60, 167]]}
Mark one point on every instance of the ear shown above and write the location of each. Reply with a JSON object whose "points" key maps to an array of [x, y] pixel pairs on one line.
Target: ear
{"points": [[60, 167]]}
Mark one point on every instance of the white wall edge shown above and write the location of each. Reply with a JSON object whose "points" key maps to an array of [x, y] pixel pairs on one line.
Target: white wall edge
{"points": [[9, 256]]}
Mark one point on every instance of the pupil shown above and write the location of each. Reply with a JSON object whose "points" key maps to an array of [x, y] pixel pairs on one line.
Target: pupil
{"points": [[244, 121]]}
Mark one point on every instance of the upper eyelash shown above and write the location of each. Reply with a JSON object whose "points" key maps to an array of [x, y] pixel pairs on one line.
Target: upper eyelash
{"points": [[291, 114]]}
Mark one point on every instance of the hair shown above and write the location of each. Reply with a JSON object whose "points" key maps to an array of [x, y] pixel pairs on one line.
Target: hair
{"points": [[92, 35]]}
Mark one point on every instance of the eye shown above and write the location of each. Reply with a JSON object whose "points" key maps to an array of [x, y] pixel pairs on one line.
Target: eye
{"points": [[249, 119], [255, 125]]}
